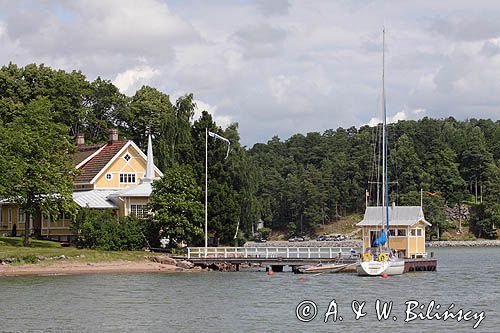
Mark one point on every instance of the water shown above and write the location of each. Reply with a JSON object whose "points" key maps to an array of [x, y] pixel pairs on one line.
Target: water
{"points": [[249, 301]]}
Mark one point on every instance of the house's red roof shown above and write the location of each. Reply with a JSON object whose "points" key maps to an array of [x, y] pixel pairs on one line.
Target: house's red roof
{"points": [[82, 152], [92, 167]]}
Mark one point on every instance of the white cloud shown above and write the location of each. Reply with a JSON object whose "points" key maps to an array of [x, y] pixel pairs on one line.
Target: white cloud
{"points": [[275, 67], [221, 120], [132, 79]]}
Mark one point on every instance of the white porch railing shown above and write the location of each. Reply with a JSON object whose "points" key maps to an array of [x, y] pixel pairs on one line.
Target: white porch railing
{"points": [[268, 252]]}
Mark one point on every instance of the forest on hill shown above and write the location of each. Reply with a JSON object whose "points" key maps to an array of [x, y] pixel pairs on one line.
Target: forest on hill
{"points": [[293, 184], [318, 177]]}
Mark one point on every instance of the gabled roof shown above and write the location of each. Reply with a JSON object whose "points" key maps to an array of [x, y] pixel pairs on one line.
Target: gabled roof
{"points": [[398, 216], [84, 152], [102, 156], [115, 156]]}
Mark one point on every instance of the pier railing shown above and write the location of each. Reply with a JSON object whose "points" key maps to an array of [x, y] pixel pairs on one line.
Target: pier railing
{"points": [[268, 252]]}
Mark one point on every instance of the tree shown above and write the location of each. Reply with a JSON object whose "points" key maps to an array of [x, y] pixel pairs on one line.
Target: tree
{"points": [[176, 205], [36, 167]]}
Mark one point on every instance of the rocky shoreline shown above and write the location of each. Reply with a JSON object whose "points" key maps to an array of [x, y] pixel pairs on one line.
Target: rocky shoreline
{"points": [[472, 243]]}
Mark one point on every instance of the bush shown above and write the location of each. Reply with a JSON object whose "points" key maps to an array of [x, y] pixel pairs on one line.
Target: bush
{"points": [[265, 232], [103, 230]]}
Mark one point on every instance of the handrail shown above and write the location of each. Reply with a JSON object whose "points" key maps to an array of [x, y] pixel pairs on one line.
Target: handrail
{"points": [[267, 252]]}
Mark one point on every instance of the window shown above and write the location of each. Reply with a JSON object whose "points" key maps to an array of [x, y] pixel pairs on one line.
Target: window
{"points": [[1, 215], [127, 178], [21, 216], [392, 232], [419, 232], [139, 211], [109, 176], [127, 157], [413, 232], [401, 232], [10, 216]]}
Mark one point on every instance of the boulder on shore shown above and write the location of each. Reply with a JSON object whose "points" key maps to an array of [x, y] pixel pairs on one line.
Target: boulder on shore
{"points": [[185, 264], [163, 260]]}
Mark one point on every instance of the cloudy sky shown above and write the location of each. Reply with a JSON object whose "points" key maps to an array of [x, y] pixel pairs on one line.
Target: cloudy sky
{"points": [[275, 66]]}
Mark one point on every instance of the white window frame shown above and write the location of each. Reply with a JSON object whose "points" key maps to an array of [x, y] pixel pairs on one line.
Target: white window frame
{"points": [[110, 176], [398, 234], [420, 232], [127, 154], [126, 178], [140, 213], [21, 216]]}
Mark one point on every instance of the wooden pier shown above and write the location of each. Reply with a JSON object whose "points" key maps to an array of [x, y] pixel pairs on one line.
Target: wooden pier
{"points": [[278, 257], [275, 257]]}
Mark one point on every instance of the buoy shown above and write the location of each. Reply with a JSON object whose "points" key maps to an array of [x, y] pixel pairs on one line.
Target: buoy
{"points": [[384, 276], [270, 272], [302, 278]]}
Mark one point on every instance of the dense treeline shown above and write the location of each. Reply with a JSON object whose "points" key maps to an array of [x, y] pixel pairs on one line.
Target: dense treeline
{"points": [[307, 180], [294, 184], [68, 102]]}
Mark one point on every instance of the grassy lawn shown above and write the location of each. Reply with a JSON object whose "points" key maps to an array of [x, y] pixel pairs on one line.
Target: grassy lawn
{"points": [[11, 247]]}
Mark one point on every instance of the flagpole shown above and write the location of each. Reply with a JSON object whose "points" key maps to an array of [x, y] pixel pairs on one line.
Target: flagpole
{"points": [[206, 191]]}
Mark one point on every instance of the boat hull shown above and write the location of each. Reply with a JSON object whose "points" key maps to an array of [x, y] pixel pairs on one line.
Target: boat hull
{"points": [[376, 268], [322, 269], [372, 268]]}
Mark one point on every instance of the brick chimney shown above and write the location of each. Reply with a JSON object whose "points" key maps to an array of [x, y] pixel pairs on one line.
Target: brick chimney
{"points": [[113, 135], [80, 139]]}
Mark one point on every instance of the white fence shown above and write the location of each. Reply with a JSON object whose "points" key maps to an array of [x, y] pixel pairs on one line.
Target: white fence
{"points": [[269, 252]]}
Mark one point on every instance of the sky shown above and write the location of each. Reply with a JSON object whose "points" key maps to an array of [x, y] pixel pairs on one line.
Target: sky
{"points": [[276, 67]]}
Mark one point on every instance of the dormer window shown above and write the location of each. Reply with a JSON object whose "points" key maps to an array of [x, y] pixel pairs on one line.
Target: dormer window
{"points": [[127, 157]]}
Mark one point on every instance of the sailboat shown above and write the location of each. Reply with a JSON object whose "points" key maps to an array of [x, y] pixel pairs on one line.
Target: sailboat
{"points": [[385, 262]]}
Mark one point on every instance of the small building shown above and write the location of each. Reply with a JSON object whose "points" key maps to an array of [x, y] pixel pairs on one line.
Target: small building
{"points": [[260, 224], [406, 229], [115, 175]]}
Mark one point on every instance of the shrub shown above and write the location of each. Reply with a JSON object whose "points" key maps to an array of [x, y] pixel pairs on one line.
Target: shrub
{"points": [[103, 230]]}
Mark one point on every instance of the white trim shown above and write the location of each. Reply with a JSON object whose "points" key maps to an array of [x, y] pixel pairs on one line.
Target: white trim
{"points": [[90, 157], [9, 216], [146, 158], [129, 143], [137, 204], [130, 157], [110, 176], [126, 174], [111, 161]]}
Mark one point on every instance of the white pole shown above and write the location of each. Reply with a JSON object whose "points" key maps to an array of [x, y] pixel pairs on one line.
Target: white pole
{"points": [[421, 198], [206, 191]]}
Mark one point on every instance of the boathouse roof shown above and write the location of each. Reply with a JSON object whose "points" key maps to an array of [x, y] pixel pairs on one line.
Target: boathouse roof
{"points": [[398, 216]]}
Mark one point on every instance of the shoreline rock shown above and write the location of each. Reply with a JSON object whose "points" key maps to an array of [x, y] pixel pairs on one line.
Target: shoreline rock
{"points": [[471, 243]]}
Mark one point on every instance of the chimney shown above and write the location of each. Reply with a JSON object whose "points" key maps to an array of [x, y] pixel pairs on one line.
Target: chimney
{"points": [[113, 135], [80, 139]]}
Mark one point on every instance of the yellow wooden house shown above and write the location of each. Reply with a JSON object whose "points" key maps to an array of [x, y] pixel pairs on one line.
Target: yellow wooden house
{"points": [[116, 175], [406, 229]]}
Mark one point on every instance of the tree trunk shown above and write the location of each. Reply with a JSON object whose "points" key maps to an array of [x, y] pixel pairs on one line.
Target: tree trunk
{"points": [[26, 241]]}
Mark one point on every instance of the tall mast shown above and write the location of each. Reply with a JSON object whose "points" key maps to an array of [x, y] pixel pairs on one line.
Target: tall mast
{"points": [[385, 177]]}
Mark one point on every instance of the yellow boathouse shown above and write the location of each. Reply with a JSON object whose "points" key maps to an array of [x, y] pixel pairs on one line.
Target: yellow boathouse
{"points": [[406, 229]]}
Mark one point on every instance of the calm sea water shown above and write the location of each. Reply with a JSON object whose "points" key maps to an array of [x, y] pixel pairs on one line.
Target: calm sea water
{"points": [[250, 301]]}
